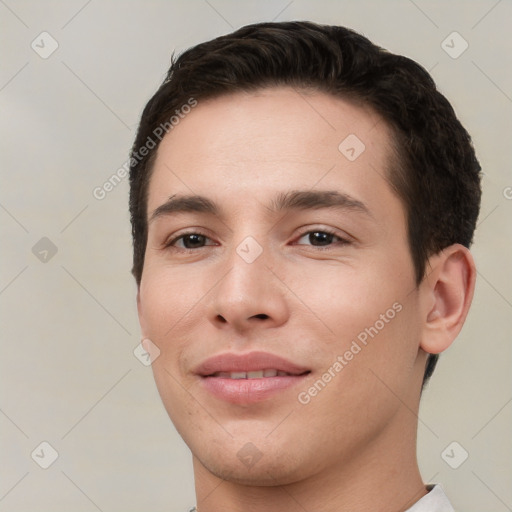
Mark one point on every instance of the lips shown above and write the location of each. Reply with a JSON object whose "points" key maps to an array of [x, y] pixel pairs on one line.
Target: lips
{"points": [[247, 363], [249, 378]]}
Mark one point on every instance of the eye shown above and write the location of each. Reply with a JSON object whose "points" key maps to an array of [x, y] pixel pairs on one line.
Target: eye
{"points": [[190, 241], [320, 238]]}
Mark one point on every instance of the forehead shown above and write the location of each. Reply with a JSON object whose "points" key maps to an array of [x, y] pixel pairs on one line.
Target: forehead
{"points": [[247, 145]]}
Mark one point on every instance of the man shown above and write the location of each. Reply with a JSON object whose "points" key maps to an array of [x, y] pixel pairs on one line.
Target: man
{"points": [[302, 204]]}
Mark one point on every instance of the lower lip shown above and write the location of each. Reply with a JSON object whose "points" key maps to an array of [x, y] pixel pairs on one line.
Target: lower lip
{"points": [[248, 391]]}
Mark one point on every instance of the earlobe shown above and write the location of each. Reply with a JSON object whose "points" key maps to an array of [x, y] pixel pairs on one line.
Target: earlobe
{"points": [[448, 290]]}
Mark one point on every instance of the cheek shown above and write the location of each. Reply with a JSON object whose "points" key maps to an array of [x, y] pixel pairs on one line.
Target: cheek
{"points": [[368, 315], [168, 297], [169, 302], [378, 338], [347, 300]]}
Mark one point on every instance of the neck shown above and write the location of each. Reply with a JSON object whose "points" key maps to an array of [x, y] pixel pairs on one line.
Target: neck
{"points": [[384, 477]]}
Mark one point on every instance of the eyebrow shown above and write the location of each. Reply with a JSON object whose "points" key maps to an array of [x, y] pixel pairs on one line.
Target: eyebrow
{"points": [[185, 204], [292, 200], [316, 199]]}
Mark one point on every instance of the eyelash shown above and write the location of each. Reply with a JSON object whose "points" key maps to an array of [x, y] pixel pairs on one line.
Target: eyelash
{"points": [[340, 240], [169, 244]]}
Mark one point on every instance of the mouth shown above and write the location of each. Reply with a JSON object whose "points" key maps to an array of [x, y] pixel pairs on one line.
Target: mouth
{"points": [[250, 365], [257, 374], [249, 378]]}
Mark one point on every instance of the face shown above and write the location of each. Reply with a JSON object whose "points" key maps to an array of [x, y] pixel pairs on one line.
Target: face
{"points": [[278, 285]]}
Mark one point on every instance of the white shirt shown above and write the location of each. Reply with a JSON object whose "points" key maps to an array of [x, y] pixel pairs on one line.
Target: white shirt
{"points": [[434, 501]]}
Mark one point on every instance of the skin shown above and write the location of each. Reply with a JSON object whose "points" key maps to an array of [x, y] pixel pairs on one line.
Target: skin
{"points": [[353, 446]]}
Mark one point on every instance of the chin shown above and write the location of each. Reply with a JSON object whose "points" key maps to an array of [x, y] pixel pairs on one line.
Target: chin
{"points": [[262, 463], [267, 473]]}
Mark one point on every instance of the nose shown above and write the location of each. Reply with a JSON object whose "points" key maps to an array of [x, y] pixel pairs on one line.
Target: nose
{"points": [[249, 296]]}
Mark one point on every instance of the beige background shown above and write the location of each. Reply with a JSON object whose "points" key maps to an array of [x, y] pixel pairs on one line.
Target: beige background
{"points": [[68, 324]]}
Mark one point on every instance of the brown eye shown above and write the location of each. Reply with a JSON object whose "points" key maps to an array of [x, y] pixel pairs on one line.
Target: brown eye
{"points": [[190, 241], [320, 238], [193, 241]]}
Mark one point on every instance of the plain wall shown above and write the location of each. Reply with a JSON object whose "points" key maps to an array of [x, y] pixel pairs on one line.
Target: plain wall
{"points": [[68, 320]]}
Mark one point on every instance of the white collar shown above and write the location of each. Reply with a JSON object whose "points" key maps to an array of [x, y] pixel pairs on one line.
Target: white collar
{"points": [[434, 501]]}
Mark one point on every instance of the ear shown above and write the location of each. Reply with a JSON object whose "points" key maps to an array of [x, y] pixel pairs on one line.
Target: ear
{"points": [[447, 291]]}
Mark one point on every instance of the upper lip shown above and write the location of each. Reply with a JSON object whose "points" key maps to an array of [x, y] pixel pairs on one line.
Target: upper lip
{"points": [[248, 362]]}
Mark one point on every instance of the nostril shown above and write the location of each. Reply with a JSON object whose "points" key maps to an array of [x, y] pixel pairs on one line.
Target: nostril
{"points": [[222, 319], [262, 316]]}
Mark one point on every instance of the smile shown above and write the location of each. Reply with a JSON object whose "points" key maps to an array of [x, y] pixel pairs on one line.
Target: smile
{"points": [[259, 374], [246, 378]]}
